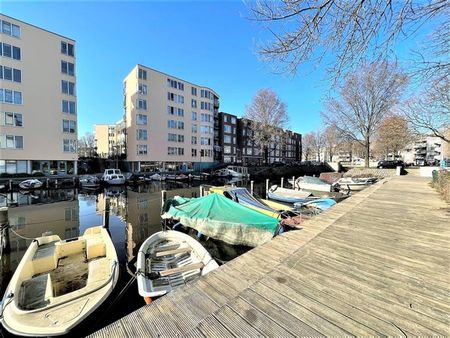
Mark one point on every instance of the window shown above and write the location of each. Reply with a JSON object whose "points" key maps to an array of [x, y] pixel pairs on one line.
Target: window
{"points": [[7, 50], [67, 48], [180, 112], [141, 135], [141, 149], [67, 87], [181, 138], [9, 28], [171, 110], [142, 74], [68, 107], [142, 104], [141, 119], [194, 103], [69, 126], [193, 152], [17, 75], [194, 128], [205, 141], [13, 119], [194, 91], [171, 151], [227, 128], [69, 146], [67, 68], [233, 120], [180, 151], [10, 96], [194, 116], [142, 89], [172, 137], [193, 139], [227, 139], [11, 142], [171, 124], [180, 125], [227, 150]]}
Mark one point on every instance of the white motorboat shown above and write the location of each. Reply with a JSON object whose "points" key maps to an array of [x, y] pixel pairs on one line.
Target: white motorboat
{"points": [[113, 177], [58, 283], [355, 184], [169, 259], [89, 182], [312, 183], [30, 184]]}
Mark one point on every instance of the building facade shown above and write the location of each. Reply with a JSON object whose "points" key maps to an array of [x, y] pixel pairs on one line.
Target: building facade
{"points": [[426, 150], [38, 117], [226, 146], [169, 122], [104, 139]]}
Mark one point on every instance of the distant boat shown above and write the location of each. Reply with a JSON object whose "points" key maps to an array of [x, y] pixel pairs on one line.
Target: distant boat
{"points": [[113, 177], [312, 183], [30, 184], [320, 203], [89, 182], [177, 177], [355, 184], [156, 177], [58, 283], [289, 195], [227, 173], [170, 259]]}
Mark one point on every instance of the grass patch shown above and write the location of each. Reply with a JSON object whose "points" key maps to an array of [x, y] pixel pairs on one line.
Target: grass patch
{"points": [[441, 182]]}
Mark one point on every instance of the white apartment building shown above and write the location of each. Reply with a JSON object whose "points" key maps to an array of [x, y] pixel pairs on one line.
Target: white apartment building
{"points": [[169, 121], [38, 104], [426, 150], [105, 139]]}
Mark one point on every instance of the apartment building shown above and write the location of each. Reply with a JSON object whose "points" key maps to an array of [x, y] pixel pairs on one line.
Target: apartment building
{"points": [[425, 150], [105, 139], [169, 122], [38, 115], [226, 146]]}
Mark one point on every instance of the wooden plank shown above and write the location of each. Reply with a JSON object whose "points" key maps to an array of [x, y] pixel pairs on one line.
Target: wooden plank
{"points": [[234, 323], [211, 327], [173, 252], [114, 330], [135, 326], [184, 268], [280, 316]]}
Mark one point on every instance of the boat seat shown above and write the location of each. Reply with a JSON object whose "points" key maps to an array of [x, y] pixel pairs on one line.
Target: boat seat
{"points": [[99, 270], [44, 259], [35, 292], [95, 249]]}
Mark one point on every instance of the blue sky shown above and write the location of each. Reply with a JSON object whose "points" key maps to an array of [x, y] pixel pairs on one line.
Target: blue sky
{"points": [[209, 43]]}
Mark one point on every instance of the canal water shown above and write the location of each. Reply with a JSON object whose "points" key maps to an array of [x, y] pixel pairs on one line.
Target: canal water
{"points": [[134, 216]]}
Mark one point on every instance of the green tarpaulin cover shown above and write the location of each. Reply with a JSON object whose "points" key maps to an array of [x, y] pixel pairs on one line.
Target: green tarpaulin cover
{"points": [[218, 217]]}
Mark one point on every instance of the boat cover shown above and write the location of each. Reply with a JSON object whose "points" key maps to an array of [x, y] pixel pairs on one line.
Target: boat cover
{"points": [[321, 203], [218, 217]]}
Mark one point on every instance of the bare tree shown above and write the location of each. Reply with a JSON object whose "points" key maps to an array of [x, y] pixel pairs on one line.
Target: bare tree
{"points": [[365, 99], [318, 144], [86, 145], [308, 146], [348, 32], [392, 136], [429, 112], [331, 142], [269, 115]]}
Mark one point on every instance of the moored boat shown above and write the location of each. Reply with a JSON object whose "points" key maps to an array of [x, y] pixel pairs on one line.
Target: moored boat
{"points": [[320, 203], [58, 283], [89, 182], [313, 183], [355, 184], [289, 195], [30, 184], [113, 177], [169, 259]]}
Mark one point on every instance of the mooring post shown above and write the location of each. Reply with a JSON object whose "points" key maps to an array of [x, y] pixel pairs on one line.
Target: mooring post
{"points": [[202, 190], [10, 185], [293, 182], [251, 188], [5, 246], [56, 183], [267, 187], [106, 213], [282, 181], [46, 184], [163, 197]]}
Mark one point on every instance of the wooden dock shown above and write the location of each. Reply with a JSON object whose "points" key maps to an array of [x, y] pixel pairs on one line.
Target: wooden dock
{"points": [[376, 264]]}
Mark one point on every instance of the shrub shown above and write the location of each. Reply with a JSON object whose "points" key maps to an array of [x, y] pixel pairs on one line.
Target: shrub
{"points": [[441, 182]]}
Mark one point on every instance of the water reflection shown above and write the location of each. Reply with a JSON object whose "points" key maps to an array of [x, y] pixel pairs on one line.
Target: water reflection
{"points": [[134, 216]]}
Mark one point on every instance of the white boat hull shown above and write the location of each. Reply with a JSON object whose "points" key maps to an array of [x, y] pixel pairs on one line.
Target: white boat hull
{"points": [[147, 262], [46, 296]]}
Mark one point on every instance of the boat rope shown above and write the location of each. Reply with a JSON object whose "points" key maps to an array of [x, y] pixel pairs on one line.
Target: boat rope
{"points": [[19, 235]]}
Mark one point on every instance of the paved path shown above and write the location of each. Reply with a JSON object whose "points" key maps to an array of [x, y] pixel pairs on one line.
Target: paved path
{"points": [[375, 264]]}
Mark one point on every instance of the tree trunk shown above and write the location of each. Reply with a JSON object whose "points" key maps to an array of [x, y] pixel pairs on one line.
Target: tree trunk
{"points": [[367, 151]]}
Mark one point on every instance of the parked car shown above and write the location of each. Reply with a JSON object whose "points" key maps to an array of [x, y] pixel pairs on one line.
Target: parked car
{"points": [[388, 164]]}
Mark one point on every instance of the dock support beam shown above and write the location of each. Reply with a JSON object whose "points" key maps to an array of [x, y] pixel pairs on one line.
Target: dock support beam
{"points": [[106, 213]]}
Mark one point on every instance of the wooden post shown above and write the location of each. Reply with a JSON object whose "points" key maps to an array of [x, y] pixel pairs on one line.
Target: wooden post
{"points": [[46, 184], [10, 185], [56, 183], [163, 197], [282, 181], [5, 246], [267, 187], [106, 213], [251, 188], [293, 182], [201, 190]]}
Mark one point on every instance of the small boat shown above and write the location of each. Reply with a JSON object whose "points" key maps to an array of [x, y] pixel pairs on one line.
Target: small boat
{"points": [[227, 173], [220, 218], [156, 177], [58, 283], [289, 195], [113, 177], [177, 177], [169, 259], [30, 184], [355, 184], [313, 183], [320, 203], [89, 182]]}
